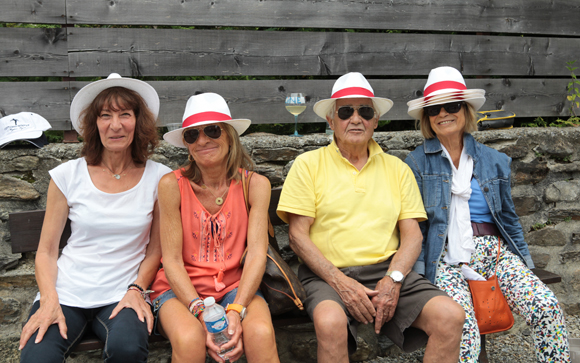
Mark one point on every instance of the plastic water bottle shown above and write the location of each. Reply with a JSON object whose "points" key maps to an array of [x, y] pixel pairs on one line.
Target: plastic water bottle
{"points": [[217, 323]]}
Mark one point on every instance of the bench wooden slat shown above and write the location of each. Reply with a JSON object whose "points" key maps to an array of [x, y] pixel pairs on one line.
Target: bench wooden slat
{"points": [[25, 228], [547, 277]]}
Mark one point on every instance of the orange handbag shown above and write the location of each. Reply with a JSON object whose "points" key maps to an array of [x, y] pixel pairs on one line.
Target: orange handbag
{"points": [[492, 311]]}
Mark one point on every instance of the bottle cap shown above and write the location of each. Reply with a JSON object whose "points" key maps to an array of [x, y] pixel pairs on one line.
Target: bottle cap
{"points": [[209, 301]]}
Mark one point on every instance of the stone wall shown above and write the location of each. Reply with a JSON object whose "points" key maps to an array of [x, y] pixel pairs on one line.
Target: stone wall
{"points": [[546, 187]]}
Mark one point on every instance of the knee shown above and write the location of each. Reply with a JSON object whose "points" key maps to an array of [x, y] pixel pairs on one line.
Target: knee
{"points": [[330, 323], [187, 341], [260, 331], [121, 352], [450, 318]]}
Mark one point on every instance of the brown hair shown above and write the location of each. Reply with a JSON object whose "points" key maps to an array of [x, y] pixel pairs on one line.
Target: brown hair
{"points": [[145, 138], [470, 121], [238, 158]]}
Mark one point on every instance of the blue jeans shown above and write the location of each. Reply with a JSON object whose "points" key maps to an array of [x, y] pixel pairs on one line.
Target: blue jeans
{"points": [[125, 336]]}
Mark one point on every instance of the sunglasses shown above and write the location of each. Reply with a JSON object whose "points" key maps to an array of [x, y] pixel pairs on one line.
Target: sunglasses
{"points": [[212, 131], [452, 107], [366, 112]]}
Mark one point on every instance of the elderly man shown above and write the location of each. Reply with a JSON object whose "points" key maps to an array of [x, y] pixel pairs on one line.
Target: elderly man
{"points": [[353, 212]]}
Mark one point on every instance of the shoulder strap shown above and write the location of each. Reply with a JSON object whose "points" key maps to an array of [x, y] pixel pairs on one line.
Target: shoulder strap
{"points": [[246, 176]]}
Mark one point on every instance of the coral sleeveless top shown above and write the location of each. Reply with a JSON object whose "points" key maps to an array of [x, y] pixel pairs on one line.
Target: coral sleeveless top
{"points": [[212, 244]]}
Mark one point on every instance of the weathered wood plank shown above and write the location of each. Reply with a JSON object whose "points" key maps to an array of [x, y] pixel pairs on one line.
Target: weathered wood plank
{"points": [[179, 52], [25, 228], [263, 101], [26, 52], [508, 16], [49, 99], [33, 11]]}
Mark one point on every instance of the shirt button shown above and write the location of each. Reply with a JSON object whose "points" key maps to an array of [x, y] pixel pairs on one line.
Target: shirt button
{"points": [[486, 189], [354, 173]]}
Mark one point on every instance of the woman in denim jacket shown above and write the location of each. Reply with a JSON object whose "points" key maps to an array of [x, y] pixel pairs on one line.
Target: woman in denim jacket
{"points": [[467, 195]]}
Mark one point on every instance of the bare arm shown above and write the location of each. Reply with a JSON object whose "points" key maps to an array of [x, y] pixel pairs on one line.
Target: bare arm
{"points": [[409, 249], [172, 239], [147, 271], [46, 269], [354, 295]]}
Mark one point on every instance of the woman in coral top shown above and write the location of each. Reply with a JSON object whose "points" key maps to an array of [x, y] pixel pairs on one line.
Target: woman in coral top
{"points": [[205, 229]]}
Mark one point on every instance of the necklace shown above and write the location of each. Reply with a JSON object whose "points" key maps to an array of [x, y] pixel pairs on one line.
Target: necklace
{"points": [[218, 200], [117, 176]]}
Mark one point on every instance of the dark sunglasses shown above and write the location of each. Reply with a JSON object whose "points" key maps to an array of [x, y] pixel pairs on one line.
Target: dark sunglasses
{"points": [[366, 112], [452, 107], [212, 131]]}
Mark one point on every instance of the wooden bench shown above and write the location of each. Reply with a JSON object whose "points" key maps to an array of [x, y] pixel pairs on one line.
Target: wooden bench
{"points": [[25, 230]]}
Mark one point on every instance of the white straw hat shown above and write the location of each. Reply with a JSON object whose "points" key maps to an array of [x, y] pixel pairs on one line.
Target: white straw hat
{"points": [[352, 85], [445, 85], [203, 109], [89, 92]]}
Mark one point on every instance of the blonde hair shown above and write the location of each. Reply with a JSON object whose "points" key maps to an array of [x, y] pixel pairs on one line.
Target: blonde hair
{"points": [[238, 158], [470, 121]]}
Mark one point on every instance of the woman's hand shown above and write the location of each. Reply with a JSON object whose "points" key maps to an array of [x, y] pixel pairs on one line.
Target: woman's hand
{"points": [[135, 301], [49, 313], [235, 332]]}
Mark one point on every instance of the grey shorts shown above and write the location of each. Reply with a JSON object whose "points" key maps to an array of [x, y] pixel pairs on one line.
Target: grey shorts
{"points": [[415, 293]]}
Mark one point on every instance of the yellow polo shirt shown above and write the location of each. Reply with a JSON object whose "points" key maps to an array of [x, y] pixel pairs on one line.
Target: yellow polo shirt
{"points": [[355, 212]]}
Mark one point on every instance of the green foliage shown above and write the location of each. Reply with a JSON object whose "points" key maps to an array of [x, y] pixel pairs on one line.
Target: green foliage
{"points": [[539, 226], [568, 219], [573, 121], [573, 90], [54, 136]]}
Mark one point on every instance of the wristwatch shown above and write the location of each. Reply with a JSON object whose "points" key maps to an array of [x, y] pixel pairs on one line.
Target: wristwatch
{"points": [[397, 276], [238, 309]]}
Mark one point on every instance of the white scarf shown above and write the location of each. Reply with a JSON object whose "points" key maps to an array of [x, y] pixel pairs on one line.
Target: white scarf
{"points": [[460, 244]]}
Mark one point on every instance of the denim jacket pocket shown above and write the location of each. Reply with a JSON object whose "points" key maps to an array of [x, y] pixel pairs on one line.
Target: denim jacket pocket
{"points": [[431, 190]]}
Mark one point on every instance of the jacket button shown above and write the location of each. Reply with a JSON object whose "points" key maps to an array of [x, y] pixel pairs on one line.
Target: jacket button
{"points": [[486, 189], [443, 207]]}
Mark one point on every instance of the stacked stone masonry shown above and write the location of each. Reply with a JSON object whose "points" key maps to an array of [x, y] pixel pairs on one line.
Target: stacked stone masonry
{"points": [[545, 189]]}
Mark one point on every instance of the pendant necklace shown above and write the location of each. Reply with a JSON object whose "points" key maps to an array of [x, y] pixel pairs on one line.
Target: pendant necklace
{"points": [[218, 200], [117, 176]]}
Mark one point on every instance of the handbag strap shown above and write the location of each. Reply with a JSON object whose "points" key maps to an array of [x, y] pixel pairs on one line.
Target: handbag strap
{"points": [[498, 253], [246, 176]]}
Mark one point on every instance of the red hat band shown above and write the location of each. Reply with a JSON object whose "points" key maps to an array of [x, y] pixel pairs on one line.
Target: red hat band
{"points": [[443, 85], [205, 116], [350, 91]]}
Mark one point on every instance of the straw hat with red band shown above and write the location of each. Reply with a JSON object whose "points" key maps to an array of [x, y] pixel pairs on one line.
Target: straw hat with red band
{"points": [[352, 85], [203, 109], [445, 85], [89, 92]]}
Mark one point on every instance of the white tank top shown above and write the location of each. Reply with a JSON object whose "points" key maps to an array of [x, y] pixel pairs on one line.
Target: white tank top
{"points": [[110, 233]]}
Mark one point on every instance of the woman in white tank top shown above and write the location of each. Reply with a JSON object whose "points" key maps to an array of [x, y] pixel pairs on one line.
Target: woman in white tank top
{"points": [[100, 281]]}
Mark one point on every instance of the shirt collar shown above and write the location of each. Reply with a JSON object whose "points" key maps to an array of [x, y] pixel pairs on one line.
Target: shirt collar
{"points": [[373, 147], [433, 145]]}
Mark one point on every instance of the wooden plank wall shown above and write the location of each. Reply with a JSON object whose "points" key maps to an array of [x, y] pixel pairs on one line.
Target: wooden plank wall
{"points": [[517, 51]]}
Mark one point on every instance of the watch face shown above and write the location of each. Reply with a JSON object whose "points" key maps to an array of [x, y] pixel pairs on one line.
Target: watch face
{"points": [[397, 276]]}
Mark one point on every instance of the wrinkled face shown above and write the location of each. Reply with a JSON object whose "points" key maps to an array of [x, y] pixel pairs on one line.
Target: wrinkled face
{"points": [[116, 127], [209, 151], [448, 125], [356, 130]]}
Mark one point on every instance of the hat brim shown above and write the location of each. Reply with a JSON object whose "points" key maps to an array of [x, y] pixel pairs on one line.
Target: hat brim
{"points": [[175, 137], [39, 141], [475, 97], [89, 92], [322, 107]]}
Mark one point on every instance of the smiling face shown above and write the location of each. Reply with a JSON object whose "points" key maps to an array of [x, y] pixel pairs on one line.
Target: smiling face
{"points": [[448, 125], [116, 127], [355, 131], [207, 151]]}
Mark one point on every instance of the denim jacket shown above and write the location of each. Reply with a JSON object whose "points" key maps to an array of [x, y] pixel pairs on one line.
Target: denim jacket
{"points": [[491, 169]]}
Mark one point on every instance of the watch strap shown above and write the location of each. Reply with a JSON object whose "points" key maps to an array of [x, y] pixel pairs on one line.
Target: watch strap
{"points": [[235, 307]]}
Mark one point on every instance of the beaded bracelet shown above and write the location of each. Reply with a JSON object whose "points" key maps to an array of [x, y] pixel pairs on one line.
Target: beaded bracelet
{"points": [[198, 309], [190, 306], [137, 286], [142, 293]]}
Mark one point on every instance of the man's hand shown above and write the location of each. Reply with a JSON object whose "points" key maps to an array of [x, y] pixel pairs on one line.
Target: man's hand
{"points": [[355, 297], [385, 301]]}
